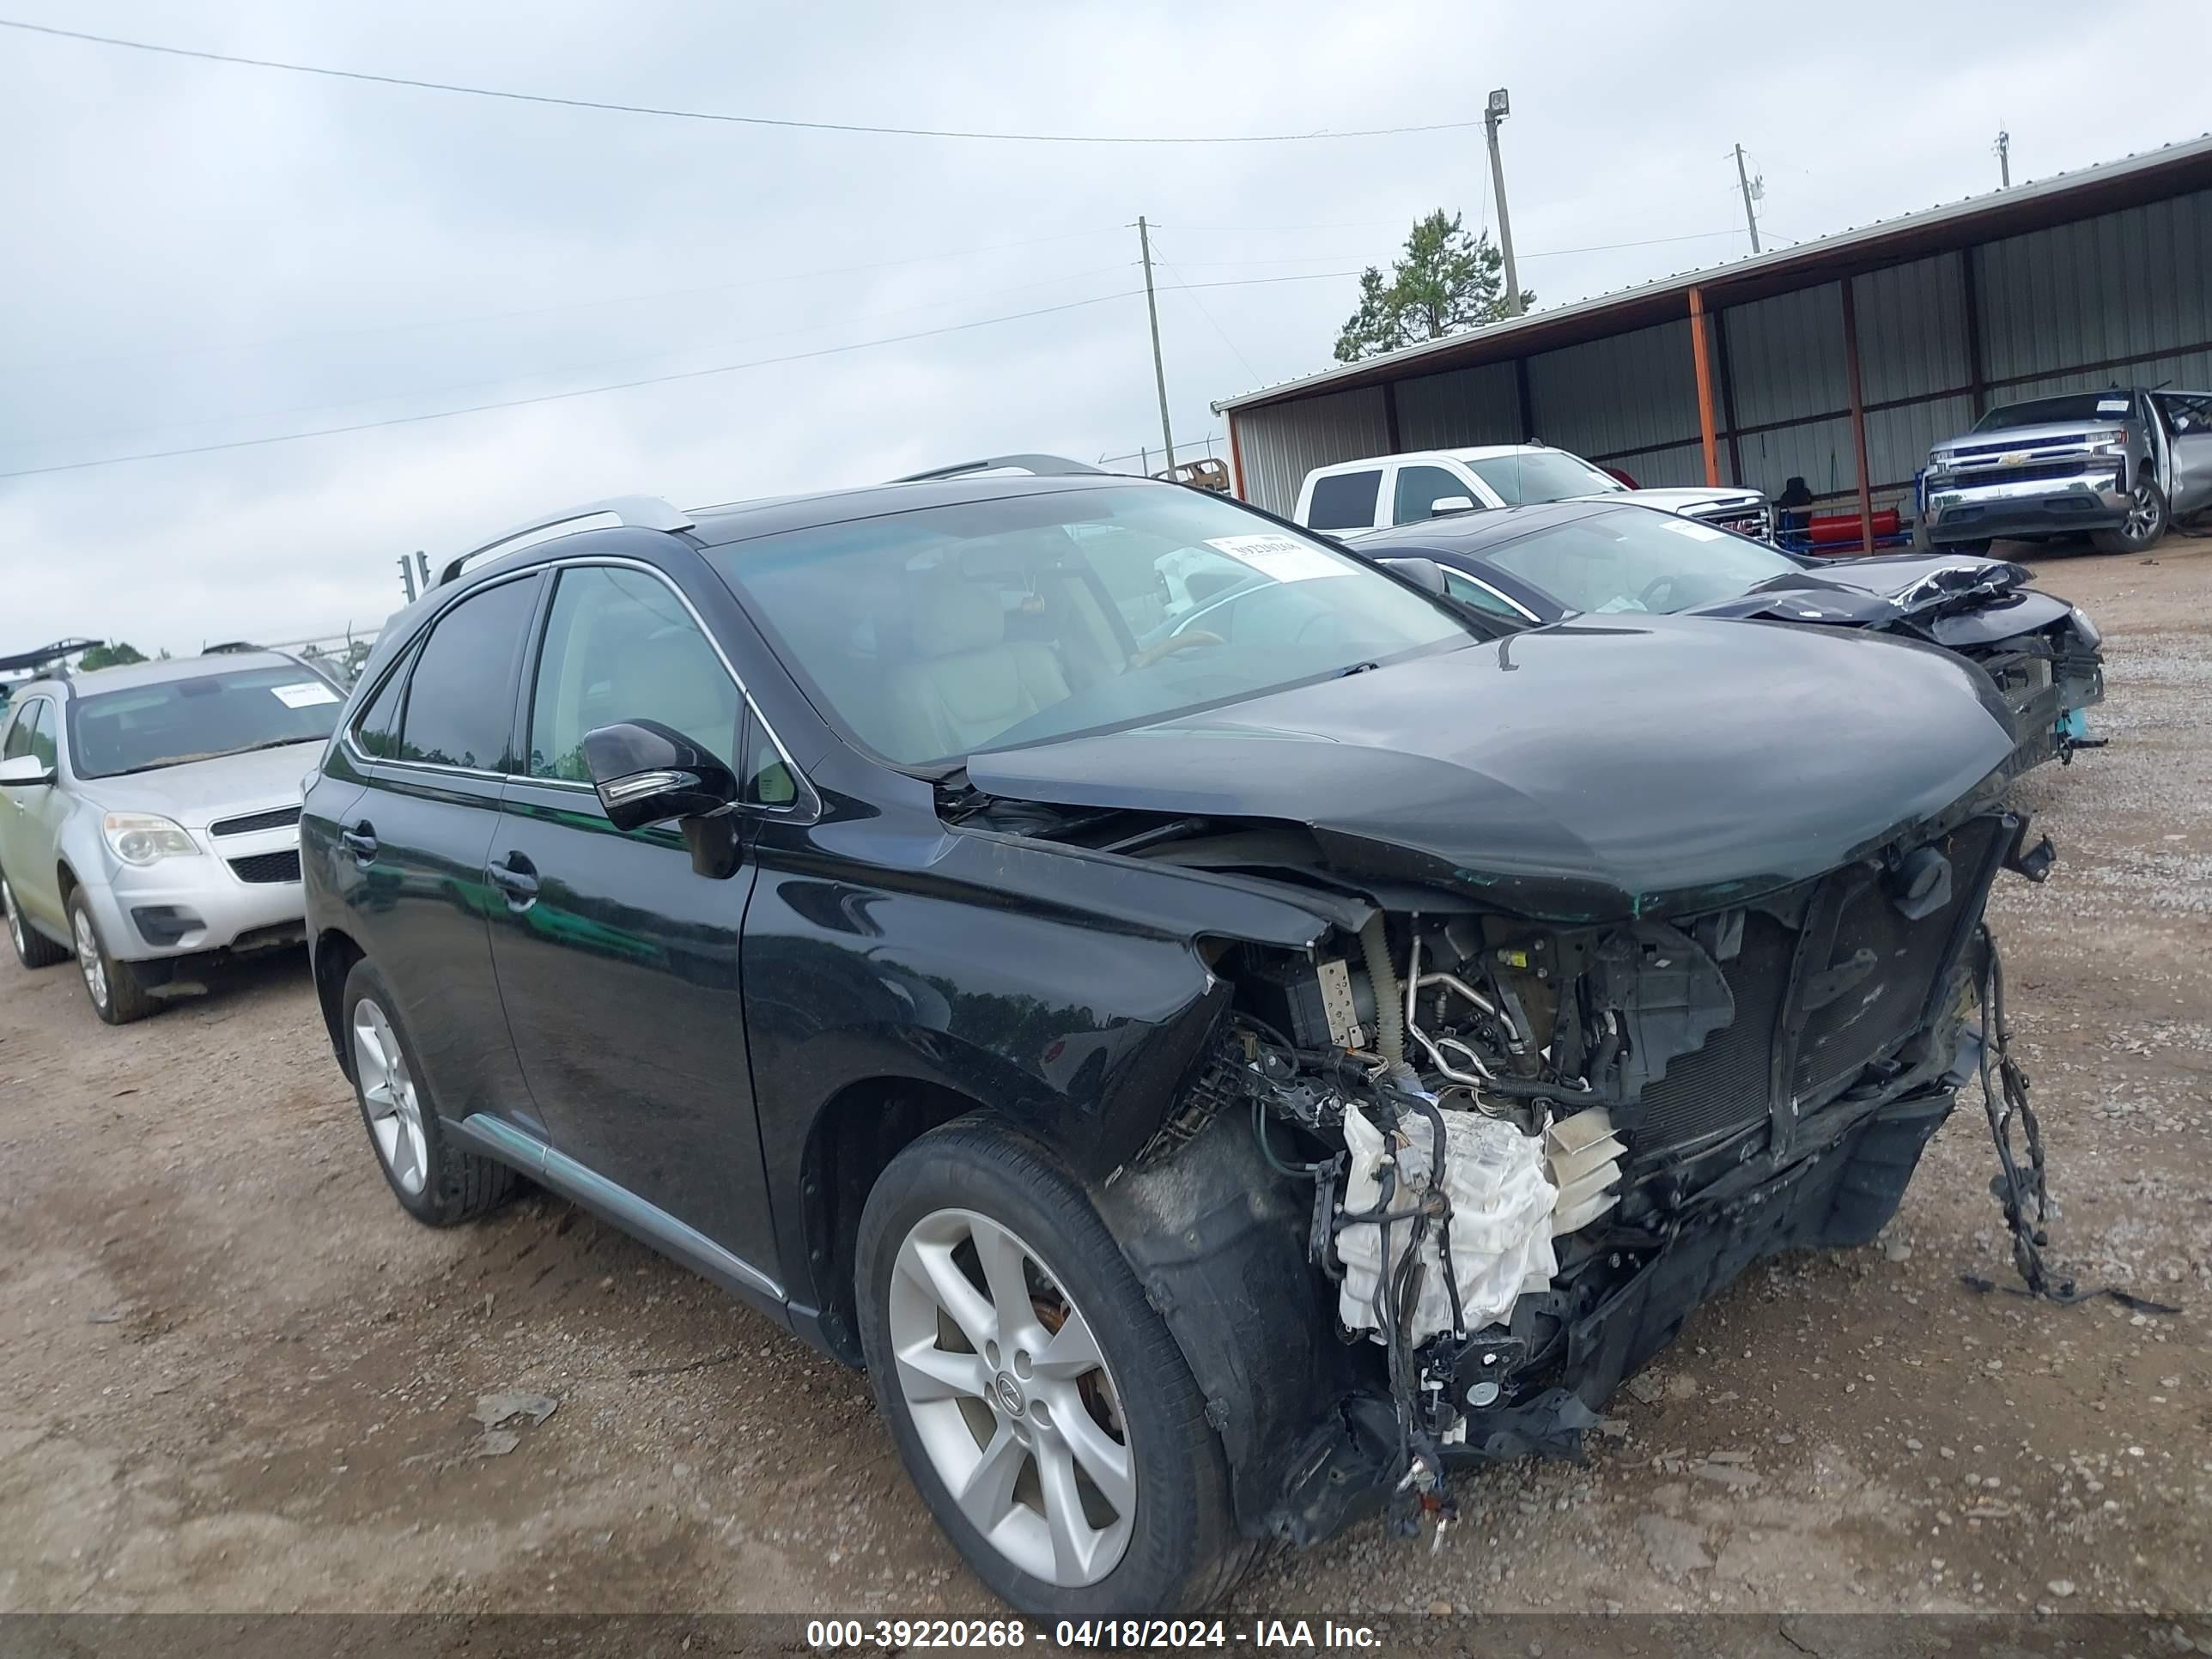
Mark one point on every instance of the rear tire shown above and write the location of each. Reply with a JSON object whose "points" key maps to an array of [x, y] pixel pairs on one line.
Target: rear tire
{"points": [[117, 995], [435, 1181], [1106, 1427], [2146, 526], [33, 948]]}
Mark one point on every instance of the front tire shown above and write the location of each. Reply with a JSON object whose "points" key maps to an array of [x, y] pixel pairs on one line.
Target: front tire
{"points": [[1041, 1408], [2146, 524], [33, 948], [435, 1182], [119, 995]]}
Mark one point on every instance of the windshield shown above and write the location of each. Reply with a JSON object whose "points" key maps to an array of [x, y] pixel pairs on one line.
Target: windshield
{"points": [[1638, 559], [943, 632], [2106, 406], [112, 732], [1542, 475]]}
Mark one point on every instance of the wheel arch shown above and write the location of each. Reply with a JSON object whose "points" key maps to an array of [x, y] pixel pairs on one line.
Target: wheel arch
{"points": [[333, 957], [852, 1139]]}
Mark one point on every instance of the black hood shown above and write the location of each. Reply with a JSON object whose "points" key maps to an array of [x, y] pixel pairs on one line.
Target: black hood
{"points": [[1588, 770]]}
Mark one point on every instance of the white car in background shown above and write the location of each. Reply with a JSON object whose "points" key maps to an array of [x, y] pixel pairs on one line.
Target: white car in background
{"points": [[151, 814], [1384, 491]]}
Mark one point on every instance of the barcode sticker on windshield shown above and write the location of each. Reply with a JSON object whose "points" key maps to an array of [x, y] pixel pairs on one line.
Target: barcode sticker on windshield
{"points": [[1692, 528], [1282, 558], [303, 694], [2111, 405]]}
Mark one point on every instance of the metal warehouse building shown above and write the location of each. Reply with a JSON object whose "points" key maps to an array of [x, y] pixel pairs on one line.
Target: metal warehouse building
{"points": [[1839, 362]]}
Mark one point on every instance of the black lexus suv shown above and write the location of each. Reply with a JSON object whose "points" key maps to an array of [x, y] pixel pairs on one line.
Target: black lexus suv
{"points": [[1217, 1081]]}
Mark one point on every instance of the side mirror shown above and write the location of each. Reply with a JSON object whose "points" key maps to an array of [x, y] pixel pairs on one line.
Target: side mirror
{"points": [[647, 773], [1425, 573], [1444, 504], [25, 772]]}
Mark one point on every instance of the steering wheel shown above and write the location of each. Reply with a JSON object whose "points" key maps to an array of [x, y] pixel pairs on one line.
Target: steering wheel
{"points": [[1196, 639], [1656, 585]]}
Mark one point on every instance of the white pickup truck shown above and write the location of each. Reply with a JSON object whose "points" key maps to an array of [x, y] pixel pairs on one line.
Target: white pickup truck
{"points": [[1392, 490]]}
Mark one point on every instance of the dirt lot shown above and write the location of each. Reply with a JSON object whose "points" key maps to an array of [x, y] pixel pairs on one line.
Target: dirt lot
{"points": [[233, 1376]]}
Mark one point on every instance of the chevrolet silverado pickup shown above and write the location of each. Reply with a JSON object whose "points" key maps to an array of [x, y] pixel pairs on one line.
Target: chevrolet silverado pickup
{"points": [[2118, 464]]}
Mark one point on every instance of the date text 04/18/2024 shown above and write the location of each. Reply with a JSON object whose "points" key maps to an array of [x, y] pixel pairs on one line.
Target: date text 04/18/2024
{"points": [[1089, 1634]]}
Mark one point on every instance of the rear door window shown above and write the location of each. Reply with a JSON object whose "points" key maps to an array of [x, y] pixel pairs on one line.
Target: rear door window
{"points": [[1344, 501], [460, 698]]}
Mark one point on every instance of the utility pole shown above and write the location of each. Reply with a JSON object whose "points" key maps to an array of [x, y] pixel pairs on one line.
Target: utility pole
{"points": [[2004, 160], [1152, 311], [422, 566], [1497, 110], [1743, 182], [407, 576]]}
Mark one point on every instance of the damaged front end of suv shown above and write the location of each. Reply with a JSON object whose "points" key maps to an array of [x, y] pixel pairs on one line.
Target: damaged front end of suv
{"points": [[1584, 1029]]}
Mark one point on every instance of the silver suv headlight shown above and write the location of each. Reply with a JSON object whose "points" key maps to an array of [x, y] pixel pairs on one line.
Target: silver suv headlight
{"points": [[141, 838], [2088, 629], [2107, 443]]}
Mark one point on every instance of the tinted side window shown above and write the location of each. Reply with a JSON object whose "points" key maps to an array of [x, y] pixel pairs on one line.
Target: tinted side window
{"points": [[1346, 501], [1419, 490], [1476, 594], [377, 730], [460, 701]]}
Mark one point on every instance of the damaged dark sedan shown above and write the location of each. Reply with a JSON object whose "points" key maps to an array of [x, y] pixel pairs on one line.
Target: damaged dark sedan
{"points": [[1218, 1082], [1540, 564]]}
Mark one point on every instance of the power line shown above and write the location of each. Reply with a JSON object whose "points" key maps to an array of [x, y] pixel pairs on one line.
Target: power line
{"points": [[541, 310], [631, 385], [1210, 318], [596, 364], [723, 117], [1614, 247]]}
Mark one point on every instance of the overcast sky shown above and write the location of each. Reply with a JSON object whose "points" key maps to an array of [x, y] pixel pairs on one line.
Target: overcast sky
{"points": [[199, 253]]}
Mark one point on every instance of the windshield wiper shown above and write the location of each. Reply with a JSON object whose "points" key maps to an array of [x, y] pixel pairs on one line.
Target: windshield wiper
{"points": [[212, 754]]}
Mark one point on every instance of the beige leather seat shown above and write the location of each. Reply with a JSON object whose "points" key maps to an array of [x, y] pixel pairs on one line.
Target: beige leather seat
{"points": [[966, 681]]}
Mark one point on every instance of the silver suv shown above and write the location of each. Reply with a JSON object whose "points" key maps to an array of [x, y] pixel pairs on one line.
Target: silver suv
{"points": [[151, 814]]}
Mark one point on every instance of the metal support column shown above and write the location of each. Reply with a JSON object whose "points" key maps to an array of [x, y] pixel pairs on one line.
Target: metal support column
{"points": [[1728, 396], [1706, 431], [1858, 417]]}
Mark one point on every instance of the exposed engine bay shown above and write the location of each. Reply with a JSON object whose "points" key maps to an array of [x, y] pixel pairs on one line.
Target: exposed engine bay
{"points": [[1512, 1157]]}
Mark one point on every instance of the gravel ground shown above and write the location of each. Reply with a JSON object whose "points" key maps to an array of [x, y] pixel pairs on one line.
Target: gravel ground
{"points": [[233, 1376]]}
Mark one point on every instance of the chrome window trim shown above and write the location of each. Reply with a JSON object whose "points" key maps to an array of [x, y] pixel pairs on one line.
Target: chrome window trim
{"points": [[806, 809], [410, 654], [808, 806]]}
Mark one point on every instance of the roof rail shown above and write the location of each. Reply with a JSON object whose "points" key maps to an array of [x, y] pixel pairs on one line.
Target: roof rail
{"points": [[1045, 466], [631, 511], [45, 654]]}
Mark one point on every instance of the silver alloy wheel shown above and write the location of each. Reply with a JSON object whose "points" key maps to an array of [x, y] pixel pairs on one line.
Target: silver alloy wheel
{"points": [[2142, 514], [395, 1107], [87, 956], [1012, 1398], [15, 921]]}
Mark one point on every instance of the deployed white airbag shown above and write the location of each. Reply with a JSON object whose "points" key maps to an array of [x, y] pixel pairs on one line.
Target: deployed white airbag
{"points": [[1501, 1218]]}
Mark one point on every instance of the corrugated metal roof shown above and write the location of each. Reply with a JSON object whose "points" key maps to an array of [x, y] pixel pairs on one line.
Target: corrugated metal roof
{"points": [[2028, 206]]}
